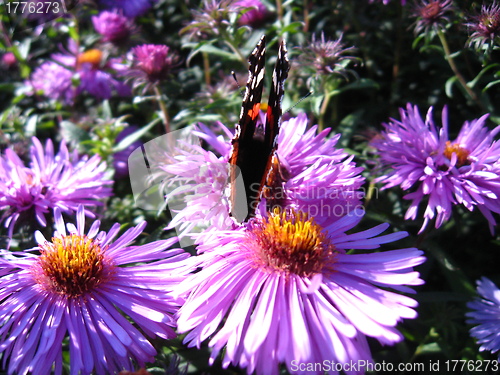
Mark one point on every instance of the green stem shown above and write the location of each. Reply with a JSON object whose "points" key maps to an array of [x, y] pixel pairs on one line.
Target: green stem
{"points": [[236, 51], [206, 68], [163, 108], [306, 16], [5, 34], [369, 194], [279, 10], [324, 107], [472, 95]]}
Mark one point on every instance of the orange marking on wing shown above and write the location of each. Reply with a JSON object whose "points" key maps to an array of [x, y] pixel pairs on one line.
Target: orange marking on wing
{"points": [[269, 115], [254, 112]]}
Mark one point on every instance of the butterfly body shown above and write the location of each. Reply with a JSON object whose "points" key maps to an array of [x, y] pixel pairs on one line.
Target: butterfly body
{"points": [[254, 146]]}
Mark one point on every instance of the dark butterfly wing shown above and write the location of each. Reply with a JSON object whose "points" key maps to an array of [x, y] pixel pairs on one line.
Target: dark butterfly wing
{"points": [[275, 174], [253, 93], [248, 154], [254, 154], [274, 110]]}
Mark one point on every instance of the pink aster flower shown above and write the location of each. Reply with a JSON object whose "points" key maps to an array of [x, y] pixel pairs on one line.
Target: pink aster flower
{"points": [[63, 180], [320, 179], [485, 27], [255, 12], [432, 15], [9, 61], [113, 26], [326, 57], [85, 286], [420, 157], [282, 289], [152, 63]]}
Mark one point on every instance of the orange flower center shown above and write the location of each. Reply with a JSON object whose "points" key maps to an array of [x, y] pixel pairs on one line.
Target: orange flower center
{"points": [[71, 265], [291, 242], [92, 56], [462, 153]]}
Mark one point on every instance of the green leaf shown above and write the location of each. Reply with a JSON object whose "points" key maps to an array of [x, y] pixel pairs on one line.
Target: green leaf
{"points": [[73, 133], [107, 113], [316, 103], [30, 126], [449, 86], [431, 348], [135, 136], [292, 28], [417, 40], [7, 87], [210, 49], [476, 79], [360, 84], [455, 276], [491, 84], [348, 126], [73, 33]]}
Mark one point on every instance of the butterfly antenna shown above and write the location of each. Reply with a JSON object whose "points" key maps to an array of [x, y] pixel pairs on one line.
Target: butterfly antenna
{"points": [[299, 101], [237, 83]]}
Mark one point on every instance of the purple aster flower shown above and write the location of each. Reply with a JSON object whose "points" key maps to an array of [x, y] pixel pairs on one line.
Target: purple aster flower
{"points": [[94, 73], [211, 20], [420, 157], [255, 12], [321, 180], [432, 15], [152, 63], [80, 287], [324, 57], [129, 8], [485, 26], [54, 81], [113, 26], [88, 68], [63, 180], [282, 289], [486, 314]]}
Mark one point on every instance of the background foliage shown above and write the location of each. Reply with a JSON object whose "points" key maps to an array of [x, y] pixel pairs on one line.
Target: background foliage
{"points": [[393, 66]]}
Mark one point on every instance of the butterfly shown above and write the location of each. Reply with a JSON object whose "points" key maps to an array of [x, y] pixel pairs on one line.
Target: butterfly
{"points": [[253, 152]]}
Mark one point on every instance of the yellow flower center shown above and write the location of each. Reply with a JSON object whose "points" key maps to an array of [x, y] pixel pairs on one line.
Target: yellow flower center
{"points": [[72, 265], [462, 153], [291, 242], [92, 56]]}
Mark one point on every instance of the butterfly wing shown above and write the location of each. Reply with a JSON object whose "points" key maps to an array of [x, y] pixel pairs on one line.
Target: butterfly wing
{"points": [[248, 159], [275, 174], [274, 109], [253, 155]]}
